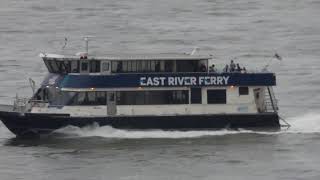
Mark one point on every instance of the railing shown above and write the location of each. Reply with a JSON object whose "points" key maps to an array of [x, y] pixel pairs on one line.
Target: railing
{"points": [[20, 104], [271, 103]]}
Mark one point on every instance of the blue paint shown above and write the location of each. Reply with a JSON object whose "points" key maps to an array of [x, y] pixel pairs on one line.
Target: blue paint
{"points": [[167, 80]]}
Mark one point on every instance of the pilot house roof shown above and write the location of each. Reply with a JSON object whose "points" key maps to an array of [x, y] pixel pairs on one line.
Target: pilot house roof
{"points": [[130, 57]]}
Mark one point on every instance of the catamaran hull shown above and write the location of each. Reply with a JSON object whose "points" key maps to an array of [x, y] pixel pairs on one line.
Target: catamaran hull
{"points": [[38, 124]]}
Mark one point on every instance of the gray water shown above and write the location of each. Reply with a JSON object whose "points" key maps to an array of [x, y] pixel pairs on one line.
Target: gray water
{"points": [[249, 30]]}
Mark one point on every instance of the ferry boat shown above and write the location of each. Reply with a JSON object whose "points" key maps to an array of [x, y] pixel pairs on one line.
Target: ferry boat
{"points": [[165, 91]]}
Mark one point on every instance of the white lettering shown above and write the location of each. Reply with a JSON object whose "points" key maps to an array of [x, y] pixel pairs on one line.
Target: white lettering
{"points": [[162, 80], [187, 81], [207, 80], [170, 81], [156, 81], [180, 80], [142, 81], [193, 81], [149, 82], [219, 80], [226, 79], [184, 81], [201, 79], [213, 80]]}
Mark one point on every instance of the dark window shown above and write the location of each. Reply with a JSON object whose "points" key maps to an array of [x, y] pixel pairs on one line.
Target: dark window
{"points": [[67, 65], [84, 98], [129, 66], [101, 98], [217, 96], [63, 67], [105, 66], [152, 97], [114, 65], [157, 66], [152, 66], [243, 90], [125, 66], [84, 66], [75, 66], [111, 97], [54, 66], [196, 96], [139, 66], [168, 66], [134, 66], [48, 65], [94, 66], [187, 66]]}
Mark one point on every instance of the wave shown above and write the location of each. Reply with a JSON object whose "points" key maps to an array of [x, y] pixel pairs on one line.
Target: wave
{"points": [[308, 123], [4, 132], [109, 132]]}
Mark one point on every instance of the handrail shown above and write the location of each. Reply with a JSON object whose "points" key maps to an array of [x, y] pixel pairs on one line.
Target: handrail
{"points": [[272, 99]]}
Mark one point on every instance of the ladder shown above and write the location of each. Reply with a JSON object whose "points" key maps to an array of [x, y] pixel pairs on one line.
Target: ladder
{"points": [[271, 103]]}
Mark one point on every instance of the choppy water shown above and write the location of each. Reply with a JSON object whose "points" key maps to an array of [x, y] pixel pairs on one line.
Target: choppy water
{"points": [[250, 30]]}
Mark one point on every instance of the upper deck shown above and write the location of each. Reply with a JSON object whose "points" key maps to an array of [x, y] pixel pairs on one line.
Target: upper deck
{"points": [[163, 70], [125, 64]]}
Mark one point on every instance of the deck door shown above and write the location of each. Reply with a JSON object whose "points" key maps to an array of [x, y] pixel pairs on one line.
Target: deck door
{"points": [[84, 66], [196, 96], [105, 67], [111, 103]]}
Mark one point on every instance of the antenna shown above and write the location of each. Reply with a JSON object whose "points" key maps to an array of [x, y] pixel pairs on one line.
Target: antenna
{"points": [[32, 85], [195, 49], [86, 39], [275, 56], [65, 43]]}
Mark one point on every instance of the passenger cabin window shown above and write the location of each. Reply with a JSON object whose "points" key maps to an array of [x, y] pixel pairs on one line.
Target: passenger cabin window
{"points": [[217, 96], [94, 66], [72, 66], [187, 66], [85, 98], [196, 96], [75, 66], [243, 91], [41, 95], [127, 66], [141, 66], [84, 66], [152, 97], [105, 66], [121, 98]]}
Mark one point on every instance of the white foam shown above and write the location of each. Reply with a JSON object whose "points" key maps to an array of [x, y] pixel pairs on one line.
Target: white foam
{"points": [[109, 132], [308, 123], [4, 132]]}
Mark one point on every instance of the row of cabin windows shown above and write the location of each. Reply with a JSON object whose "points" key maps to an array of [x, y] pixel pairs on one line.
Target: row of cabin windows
{"points": [[64, 67], [155, 66], [216, 96], [132, 66], [122, 98]]}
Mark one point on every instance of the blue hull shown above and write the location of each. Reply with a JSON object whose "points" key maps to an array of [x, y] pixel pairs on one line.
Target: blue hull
{"points": [[29, 123]]}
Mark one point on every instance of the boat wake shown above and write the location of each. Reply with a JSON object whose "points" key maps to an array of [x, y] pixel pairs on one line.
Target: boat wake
{"points": [[109, 132], [4, 132], [308, 123]]}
